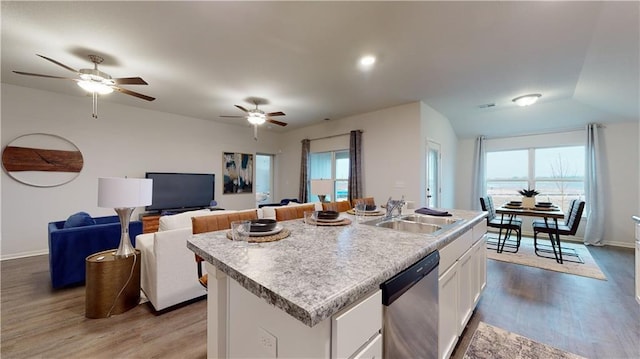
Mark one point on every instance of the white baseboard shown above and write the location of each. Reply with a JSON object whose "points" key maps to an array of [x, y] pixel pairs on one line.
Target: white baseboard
{"points": [[577, 239], [24, 254]]}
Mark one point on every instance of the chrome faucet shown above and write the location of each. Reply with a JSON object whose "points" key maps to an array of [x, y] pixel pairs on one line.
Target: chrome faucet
{"points": [[394, 205]]}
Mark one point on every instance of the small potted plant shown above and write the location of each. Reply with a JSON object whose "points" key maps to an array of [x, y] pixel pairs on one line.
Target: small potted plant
{"points": [[528, 197]]}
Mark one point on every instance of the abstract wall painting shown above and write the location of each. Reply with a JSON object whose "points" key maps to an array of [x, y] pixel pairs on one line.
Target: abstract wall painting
{"points": [[238, 172]]}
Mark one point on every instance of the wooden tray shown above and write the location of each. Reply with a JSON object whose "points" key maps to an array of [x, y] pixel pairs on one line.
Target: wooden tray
{"points": [[343, 222], [264, 239], [374, 213]]}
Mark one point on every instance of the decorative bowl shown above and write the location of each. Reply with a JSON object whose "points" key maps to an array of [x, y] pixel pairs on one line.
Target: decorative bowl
{"points": [[263, 225], [327, 214], [370, 207], [544, 204]]}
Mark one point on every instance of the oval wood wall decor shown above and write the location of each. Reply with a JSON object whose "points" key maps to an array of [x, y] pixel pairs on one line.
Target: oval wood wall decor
{"points": [[42, 160]]}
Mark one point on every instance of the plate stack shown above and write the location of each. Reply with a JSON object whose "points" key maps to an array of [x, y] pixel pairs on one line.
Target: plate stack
{"points": [[514, 204], [547, 206]]}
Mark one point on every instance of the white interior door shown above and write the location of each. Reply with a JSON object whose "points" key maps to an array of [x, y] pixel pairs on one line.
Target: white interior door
{"points": [[433, 174]]}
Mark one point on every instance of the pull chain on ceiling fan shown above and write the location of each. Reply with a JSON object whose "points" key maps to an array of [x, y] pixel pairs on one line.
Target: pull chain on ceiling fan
{"points": [[95, 81], [257, 117]]}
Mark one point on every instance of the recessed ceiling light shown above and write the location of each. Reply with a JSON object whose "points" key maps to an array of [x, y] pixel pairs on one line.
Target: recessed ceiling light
{"points": [[527, 100], [367, 60]]}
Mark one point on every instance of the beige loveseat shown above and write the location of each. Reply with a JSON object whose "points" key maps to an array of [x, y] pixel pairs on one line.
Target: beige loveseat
{"points": [[168, 268]]}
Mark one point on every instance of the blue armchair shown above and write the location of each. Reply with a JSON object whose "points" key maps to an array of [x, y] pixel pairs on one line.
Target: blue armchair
{"points": [[69, 247]]}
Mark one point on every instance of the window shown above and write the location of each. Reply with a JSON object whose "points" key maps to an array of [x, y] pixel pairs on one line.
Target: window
{"points": [[332, 165], [556, 172]]}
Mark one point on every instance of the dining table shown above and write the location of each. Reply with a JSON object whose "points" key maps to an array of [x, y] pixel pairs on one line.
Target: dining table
{"points": [[551, 214]]}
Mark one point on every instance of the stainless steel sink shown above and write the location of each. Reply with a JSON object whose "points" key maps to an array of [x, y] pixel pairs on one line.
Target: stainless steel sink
{"points": [[441, 221], [416, 223], [407, 226]]}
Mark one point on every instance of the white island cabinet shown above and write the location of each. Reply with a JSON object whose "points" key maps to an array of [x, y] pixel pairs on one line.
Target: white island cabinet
{"points": [[316, 293], [250, 328], [462, 278]]}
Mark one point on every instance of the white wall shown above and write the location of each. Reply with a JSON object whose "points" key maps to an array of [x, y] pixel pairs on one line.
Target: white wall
{"points": [[620, 168], [393, 151], [437, 128], [123, 141]]}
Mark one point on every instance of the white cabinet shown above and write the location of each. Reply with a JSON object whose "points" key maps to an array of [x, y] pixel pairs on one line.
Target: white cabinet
{"points": [[467, 275], [460, 284], [242, 325], [448, 311], [358, 326], [373, 350]]}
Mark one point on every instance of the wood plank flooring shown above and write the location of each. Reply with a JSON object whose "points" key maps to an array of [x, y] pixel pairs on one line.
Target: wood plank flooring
{"points": [[585, 316], [589, 317]]}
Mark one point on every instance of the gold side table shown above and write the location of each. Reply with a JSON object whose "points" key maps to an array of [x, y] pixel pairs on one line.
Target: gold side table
{"points": [[106, 277]]}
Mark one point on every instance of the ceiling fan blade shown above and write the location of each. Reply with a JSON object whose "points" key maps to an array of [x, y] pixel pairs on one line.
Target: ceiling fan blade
{"points": [[278, 113], [276, 122], [47, 76], [59, 63], [233, 116], [130, 81], [242, 108], [132, 93]]}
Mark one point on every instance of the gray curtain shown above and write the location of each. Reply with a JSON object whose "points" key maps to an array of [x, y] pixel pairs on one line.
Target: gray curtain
{"points": [[304, 171], [594, 231], [479, 188], [355, 165]]}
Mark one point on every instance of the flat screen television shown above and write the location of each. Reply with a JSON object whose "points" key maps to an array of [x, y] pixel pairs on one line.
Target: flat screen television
{"points": [[175, 191]]}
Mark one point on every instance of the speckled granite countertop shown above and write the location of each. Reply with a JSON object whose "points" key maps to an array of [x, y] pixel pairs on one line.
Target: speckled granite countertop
{"points": [[312, 275]]}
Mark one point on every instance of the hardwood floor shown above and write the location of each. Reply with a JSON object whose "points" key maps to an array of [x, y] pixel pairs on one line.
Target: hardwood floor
{"points": [[589, 317], [585, 316]]}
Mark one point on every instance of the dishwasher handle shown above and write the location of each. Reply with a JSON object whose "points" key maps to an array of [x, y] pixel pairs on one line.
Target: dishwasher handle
{"points": [[403, 281]]}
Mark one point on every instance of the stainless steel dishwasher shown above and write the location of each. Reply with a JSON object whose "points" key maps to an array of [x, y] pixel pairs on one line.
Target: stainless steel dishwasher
{"points": [[410, 299]]}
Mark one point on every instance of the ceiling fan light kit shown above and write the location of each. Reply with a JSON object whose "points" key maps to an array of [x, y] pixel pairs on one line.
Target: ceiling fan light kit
{"points": [[95, 81], [527, 100], [256, 116], [93, 86]]}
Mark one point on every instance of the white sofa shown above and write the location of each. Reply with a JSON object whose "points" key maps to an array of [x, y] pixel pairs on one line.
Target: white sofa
{"points": [[168, 267]]}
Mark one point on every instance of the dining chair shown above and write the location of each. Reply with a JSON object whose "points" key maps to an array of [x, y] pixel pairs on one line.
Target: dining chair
{"points": [[367, 200], [286, 213], [571, 205], [212, 223], [568, 228], [512, 225], [341, 206]]}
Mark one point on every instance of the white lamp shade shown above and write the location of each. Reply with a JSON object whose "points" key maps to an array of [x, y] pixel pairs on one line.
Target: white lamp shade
{"points": [[124, 192], [321, 187]]}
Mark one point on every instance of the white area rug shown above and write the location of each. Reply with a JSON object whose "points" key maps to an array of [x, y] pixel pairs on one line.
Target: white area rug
{"points": [[495, 343], [527, 256]]}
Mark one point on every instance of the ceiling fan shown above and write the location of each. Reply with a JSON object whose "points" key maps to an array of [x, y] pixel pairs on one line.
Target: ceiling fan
{"points": [[256, 116], [95, 81]]}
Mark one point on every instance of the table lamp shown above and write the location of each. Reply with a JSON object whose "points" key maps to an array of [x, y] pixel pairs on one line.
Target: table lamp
{"points": [[321, 188], [124, 195]]}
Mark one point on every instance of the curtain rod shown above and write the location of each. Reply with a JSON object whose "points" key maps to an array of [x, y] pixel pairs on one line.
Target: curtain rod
{"points": [[572, 129], [332, 136]]}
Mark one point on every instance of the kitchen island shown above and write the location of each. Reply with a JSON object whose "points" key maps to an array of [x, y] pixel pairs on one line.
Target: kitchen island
{"points": [[283, 298]]}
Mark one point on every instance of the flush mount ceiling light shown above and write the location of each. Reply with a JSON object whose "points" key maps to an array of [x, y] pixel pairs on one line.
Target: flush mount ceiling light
{"points": [[366, 62], [527, 100]]}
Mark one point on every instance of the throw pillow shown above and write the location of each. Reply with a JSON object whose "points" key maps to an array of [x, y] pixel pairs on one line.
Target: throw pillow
{"points": [[79, 219]]}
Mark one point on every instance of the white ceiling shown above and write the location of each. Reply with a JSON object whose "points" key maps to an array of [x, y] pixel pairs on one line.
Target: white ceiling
{"points": [[201, 58]]}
